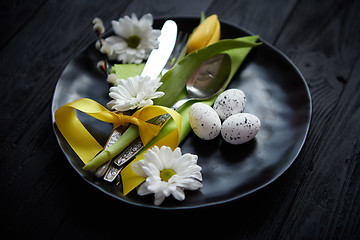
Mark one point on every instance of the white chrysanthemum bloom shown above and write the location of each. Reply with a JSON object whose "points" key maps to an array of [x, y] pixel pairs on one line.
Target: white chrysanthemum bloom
{"points": [[135, 39], [168, 172], [135, 92]]}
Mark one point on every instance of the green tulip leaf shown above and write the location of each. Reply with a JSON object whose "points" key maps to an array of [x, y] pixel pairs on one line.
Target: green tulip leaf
{"points": [[174, 82]]}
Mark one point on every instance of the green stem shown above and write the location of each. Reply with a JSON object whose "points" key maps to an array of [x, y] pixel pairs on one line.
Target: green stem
{"points": [[174, 82], [128, 137]]}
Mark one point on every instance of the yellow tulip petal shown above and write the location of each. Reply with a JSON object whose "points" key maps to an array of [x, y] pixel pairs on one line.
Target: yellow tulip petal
{"points": [[205, 34], [216, 36]]}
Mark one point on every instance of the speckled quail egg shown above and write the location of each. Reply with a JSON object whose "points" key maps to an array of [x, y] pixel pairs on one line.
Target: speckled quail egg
{"points": [[240, 128], [204, 121], [230, 102]]}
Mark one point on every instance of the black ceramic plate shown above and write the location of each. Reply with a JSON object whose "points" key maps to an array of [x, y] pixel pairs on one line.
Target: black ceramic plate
{"points": [[276, 93]]}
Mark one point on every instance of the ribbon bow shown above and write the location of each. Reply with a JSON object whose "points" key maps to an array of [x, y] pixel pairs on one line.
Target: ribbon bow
{"points": [[83, 143]]}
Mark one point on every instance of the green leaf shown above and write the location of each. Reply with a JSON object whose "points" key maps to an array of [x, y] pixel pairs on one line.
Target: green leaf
{"points": [[174, 82], [124, 71]]}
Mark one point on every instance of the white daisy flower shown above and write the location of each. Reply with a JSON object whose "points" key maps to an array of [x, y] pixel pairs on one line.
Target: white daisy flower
{"points": [[135, 92], [168, 172], [135, 39]]}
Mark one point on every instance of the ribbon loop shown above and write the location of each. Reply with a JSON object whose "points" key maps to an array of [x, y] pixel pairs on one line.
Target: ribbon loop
{"points": [[83, 143]]}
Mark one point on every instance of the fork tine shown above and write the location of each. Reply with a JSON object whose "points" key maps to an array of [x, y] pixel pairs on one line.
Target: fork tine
{"points": [[179, 36], [180, 44]]}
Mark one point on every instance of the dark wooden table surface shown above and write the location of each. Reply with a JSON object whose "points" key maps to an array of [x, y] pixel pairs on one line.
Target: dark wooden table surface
{"points": [[318, 197]]}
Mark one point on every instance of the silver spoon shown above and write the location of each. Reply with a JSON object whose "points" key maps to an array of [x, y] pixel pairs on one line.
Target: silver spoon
{"points": [[208, 79]]}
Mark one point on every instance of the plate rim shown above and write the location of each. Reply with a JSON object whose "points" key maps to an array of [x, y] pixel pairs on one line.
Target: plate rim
{"points": [[217, 202]]}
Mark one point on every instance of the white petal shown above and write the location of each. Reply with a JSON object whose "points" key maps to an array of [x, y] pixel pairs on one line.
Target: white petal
{"points": [[137, 168], [132, 26], [165, 189], [190, 184], [155, 149], [137, 60], [119, 92], [155, 34], [147, 19], [197, 175], [166, 156], [114, 40], [116, 27], [159, 198], [134, 92], [178, 194], [133, 86], [119, 47], [154, 185], [141, 54], [134, 18], [145, 103], [177, 153], [151, 170], [184, 162], [122, 107], [122, 28], [156, 159], [151, 156], [143, 190], [157, 95], [111, 104]]}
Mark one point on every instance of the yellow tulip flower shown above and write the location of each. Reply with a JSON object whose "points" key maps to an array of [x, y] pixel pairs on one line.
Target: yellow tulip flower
{"points": [[207, 33]]}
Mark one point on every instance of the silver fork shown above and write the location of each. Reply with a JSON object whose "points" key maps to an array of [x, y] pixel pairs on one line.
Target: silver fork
{"points": [[112, 168], [179, 50]]}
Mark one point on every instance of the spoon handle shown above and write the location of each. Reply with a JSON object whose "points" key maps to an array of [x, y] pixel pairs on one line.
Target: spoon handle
{"points": [[118, 163], [179, 103], [137, 145]]}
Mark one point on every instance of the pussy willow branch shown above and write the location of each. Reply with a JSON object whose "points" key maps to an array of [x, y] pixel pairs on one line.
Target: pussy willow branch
{"points": [[99, 29], [103, 67]]}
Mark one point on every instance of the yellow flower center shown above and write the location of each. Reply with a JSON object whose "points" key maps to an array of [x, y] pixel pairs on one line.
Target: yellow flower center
{"points": [[166, 174], [133, 41]]}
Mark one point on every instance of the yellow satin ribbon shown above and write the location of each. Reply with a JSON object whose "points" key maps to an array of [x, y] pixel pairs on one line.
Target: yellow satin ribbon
{"points": [[83, 143], [129, 178]]}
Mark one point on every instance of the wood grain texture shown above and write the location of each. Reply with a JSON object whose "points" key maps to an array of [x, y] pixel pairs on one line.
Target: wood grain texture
{"points": [[14, 15], [263, 18], [317, 198], [326, 57]]}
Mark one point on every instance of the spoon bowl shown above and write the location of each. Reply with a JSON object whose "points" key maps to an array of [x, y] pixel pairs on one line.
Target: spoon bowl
{"points": [[208, 79]]}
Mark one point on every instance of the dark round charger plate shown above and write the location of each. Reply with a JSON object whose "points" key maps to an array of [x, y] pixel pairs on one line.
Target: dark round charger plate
{"points": [[276, 92]]}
